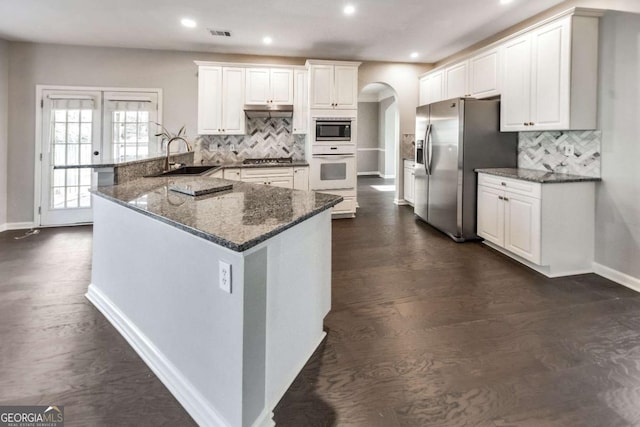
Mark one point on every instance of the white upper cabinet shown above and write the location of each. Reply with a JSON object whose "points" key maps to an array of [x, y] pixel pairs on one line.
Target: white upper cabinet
{"points": [[432, 87], [333, 85], [301, 101], [457, 80], [209, 100], [549, 79], [269, 85], [483, 74], [220, 100], [516, 84], [233, 101]]}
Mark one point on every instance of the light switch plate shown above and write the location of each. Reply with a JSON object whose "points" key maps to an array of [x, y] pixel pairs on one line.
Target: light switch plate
{"points": [[224, 276]]}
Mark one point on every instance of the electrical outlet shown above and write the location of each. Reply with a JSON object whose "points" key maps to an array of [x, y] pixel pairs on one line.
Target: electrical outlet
{"points": [[232, 147], [569, 150], [224, 276]]}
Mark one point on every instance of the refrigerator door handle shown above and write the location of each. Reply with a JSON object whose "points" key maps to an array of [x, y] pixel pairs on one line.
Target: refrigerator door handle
{"points": [[427, 150]]}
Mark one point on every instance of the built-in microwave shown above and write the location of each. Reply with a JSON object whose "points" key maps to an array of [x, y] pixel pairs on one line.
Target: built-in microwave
{"points": [[333, 130]]}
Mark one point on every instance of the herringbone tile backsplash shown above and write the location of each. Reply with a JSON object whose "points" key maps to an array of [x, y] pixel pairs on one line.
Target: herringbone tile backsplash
{"points": [[265, 138], [545, 151]]}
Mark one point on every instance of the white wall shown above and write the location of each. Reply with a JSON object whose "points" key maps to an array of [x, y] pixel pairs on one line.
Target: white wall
{"points": [[174, 72], [618, 196], [367, 137], [4, 88], [387, 135]]}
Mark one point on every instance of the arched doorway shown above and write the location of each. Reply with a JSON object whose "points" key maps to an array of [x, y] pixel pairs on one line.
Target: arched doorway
{"points": [[379, 134]]}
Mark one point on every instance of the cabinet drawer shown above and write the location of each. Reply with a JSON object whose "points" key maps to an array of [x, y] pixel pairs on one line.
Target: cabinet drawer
{"points": [[265, 172], [409, 164], [232, 174], [526, 188]]}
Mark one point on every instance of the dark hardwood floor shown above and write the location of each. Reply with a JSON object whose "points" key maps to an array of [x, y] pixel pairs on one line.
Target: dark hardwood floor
{"points": [[422, 332]]}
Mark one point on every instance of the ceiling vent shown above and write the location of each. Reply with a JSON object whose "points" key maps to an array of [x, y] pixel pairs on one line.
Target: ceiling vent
{"points": [[220, 33]]}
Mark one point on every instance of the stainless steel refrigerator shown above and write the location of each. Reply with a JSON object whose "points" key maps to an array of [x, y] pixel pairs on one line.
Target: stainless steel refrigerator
{"points": [[453, 138]]}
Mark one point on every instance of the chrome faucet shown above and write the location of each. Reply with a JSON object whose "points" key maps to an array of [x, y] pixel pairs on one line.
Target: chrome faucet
{"points": [[167, 164]]}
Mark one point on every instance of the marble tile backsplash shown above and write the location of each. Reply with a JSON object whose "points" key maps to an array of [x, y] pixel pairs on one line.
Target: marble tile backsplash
{"points": [[407, 146], [545, 151], [264, 138]]}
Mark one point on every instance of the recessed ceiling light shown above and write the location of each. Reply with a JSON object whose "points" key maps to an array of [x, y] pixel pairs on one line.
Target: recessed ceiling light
{"points": [[414, 54], [189, 23], [349, 9], [267, 40], [505, 1]]}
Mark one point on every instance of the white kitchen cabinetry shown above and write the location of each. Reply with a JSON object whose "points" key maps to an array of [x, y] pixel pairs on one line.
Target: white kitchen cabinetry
{"points": [[232, 174], [269, 86], [301, 101], [333, 85], [347, 207], [432, 87], [549, 227], [409, 181], [221, 100], [287, 177], [457, 80], [549, 77], [301, 178], [484, 75]]}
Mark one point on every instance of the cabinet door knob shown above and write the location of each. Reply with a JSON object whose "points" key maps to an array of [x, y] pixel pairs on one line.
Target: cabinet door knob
{"points": [[505, 199], [503, 183], [500, 197], [531, 123], [526, 124]]}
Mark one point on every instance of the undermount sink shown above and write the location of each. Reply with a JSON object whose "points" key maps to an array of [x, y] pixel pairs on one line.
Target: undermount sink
{"points": [[187, 170]]}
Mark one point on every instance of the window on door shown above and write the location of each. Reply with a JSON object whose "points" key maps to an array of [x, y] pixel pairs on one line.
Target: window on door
{"points": [[130, 124]]}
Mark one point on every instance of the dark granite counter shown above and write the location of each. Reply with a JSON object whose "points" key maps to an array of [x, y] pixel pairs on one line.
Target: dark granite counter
{"points": [[295, 163], [237, 219], [542, 177]]}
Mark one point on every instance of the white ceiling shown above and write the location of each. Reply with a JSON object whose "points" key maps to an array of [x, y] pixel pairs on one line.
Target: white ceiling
{"points": [[386, 30]]}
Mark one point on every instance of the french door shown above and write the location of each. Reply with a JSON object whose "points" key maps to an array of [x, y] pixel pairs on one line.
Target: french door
{"points": [[71, 124]]}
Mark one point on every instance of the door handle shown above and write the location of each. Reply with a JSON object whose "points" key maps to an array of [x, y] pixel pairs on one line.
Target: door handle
{"points": [[332, 156], [425, 155], [429, 149], [95, 153]]}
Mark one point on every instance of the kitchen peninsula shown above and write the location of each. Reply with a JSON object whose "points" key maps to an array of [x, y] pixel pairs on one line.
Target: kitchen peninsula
{"points": [[222, 295]]}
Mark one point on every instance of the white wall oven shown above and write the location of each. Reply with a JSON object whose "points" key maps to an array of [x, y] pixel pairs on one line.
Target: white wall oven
{"points": [[333, 167]]}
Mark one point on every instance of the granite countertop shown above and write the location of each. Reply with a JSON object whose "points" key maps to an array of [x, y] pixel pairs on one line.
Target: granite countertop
{"points": [[237, 219], [111, 162], [295, 163], [542, 177]]}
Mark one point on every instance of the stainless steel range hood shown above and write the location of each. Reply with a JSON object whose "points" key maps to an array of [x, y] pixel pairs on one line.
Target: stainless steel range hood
{"points": [[265, 111]]}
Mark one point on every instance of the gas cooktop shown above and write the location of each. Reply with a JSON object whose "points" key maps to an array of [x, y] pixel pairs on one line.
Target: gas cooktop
{"points": [[267, 161]]}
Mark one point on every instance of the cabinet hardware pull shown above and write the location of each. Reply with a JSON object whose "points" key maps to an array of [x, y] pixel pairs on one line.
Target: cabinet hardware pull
{"points": [[505, 199], [503, 183], [500, 197], [526, 124], [531, 123]]}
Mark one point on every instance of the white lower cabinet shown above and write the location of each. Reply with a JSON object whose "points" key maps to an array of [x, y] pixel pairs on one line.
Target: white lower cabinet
{"points": [[549, 227], [301, 178], [409, 181], [345, 208], [510, 220], [286, 177]]}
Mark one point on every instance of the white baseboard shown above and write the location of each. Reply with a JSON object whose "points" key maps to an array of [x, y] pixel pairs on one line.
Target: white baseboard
{"points": [[402, 202], [3, 227], [188, 396], [17, 226], [617, 276]]}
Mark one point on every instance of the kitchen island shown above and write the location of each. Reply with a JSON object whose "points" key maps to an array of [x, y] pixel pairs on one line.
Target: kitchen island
{"points": [[222, 295]]}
